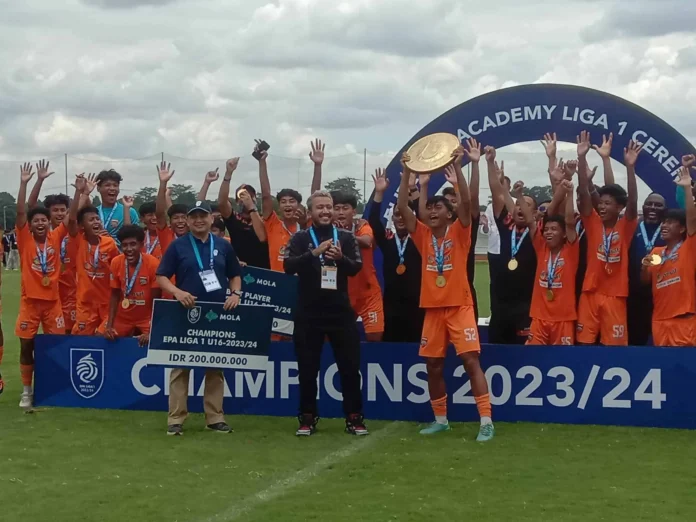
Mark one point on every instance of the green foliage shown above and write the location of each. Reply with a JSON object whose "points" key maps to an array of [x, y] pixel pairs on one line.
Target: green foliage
{"points": [[9, 210], [183, 194], [144, 195]]}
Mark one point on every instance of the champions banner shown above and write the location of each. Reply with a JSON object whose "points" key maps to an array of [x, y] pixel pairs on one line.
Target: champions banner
{"points": [[635, 386], [276, 289], [208, 336]]}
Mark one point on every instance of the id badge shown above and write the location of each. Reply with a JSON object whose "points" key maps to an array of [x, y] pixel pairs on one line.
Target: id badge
{"points": [[329, 278], [210, 280]]}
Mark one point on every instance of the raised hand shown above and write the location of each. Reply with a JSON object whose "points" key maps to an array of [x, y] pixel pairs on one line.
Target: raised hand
{"points": [[263, 155], [631, 153], [489, 151], [567, 185], [405, 158], [570, 168], [590, 173], [684, 179], [583, 142], [605, 149], [549, 143], [164, 171], [26, 172], [42, 170], [689, 160], [381, 180], [127, 201], [451, 174], [231, 165], [500, 170], [518, 189], [246, 200], [473, 150], [317, 152], [301, 216], [91, 183], [458, 153], [212, 176], [424, 179], [80, 183], [557, 174]]}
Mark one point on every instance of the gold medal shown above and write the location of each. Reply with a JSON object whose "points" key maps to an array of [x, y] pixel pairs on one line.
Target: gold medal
{"points": [[401, 269], [45, 281], [655, 259], [440, 282], [125, 304], [513, 264], [432, 153], [549, 295], [608, 269]]}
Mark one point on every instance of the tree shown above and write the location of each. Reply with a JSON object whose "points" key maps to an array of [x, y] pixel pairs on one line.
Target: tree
{"points": [[183, 194], [144, 195], [96, 201], [9, 210]]}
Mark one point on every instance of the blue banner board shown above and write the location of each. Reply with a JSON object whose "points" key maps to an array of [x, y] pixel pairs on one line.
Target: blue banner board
{"points": [[208, 336], [635, 386], [279, 290]]}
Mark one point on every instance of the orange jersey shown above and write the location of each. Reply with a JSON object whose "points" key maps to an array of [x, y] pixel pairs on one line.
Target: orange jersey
{"points": [[674, 282], [140, 296], [457, 242], [608, 276], [561, 305], [152, 245], [32, 272], [67, 266], [365, 282], [93, 287], [278, 236], [166, 236]]}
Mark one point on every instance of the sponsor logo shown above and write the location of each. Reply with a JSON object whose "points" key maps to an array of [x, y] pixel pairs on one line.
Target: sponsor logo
{"points": [[249, 279], [87, 371], [211, 316], [143, 280], [194, 314], [265, 282]]}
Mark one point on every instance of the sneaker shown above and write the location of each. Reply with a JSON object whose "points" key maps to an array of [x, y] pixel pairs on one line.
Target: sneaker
{"points": [[308, 425], [175, 429], [219, 427], [486, 432], [435, 427], [27, 400], [355, 425]]}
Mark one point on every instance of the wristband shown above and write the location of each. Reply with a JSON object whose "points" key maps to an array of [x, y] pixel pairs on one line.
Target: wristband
{"points": [[253, 210], [225, 178], [238, 293]]}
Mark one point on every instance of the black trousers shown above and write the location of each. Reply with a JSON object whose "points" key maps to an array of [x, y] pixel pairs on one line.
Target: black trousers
{"points": [[639, 309], [403, 327], [345, 341]]}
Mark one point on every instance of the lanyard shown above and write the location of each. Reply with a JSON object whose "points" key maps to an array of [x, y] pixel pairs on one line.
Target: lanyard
{"points": [[297, 228], [131, 282], [551, 268], [198, 255], [63, 249], [42, 257], [579, 229], [672, 254], [439, 252], [95, 261], [514, 243], [316, 241], [649, 245], [607, 242], [106, 221], [150, 247], [401, 246]]}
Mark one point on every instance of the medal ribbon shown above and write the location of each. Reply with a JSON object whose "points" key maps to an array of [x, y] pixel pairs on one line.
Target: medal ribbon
{"points": [[579, 229], [130, 283], [607, 242], [439, 252], [63, 249], [316, 241], [150, 247], [108, 220], [297, 228], [672, 254], [95, 261], [649, 245], [514, 244], [551, 269], [42, 257], [198, 255], [401, 246]]}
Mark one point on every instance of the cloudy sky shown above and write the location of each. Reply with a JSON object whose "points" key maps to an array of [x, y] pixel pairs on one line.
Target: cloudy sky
{"points": [[199, 79]]}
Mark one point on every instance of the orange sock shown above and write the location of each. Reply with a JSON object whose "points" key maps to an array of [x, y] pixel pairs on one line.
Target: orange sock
{"points": [[2, 352], [27, 373], [440, 406], [483, 404]]}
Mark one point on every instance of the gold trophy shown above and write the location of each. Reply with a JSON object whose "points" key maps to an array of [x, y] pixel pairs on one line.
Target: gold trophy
{"points": [[432, 153]]}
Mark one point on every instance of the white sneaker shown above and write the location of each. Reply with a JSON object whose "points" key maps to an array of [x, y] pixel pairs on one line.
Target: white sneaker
{"points": [[27, 400]]}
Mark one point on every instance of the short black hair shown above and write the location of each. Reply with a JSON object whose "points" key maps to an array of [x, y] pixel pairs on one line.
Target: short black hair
{"points": [[342, 197], [36, 211], [675, 214], [615, 191], [545, 202], [556, 218], [147, 208], [219, 224], [214, 207], [177, 208], [89, 209], [56, 199], [131, 231], [449, 191], [290, 193], [251, 190], [434, 200], [109, 175]]}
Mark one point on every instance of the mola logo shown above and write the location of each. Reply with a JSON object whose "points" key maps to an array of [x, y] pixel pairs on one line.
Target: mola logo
{"points": [[194, 314], [248, 279], [87, 371]]}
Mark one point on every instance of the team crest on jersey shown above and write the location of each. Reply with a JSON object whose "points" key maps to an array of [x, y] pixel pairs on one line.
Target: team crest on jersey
{"points": [[424, 342], [113, 223], [143, 280], [23, 326], [87, 371], [579, 327]]}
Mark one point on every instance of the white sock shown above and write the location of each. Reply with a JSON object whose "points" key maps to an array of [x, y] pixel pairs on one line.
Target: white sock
{"points": [[486, 420], [27, 389], [441, 419]]}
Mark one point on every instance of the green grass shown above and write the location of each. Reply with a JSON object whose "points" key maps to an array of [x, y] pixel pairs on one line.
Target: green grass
{"points": [[67, 465]]}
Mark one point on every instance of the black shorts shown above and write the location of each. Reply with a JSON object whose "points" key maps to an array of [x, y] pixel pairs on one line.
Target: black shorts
{"points": [[509, 324]]}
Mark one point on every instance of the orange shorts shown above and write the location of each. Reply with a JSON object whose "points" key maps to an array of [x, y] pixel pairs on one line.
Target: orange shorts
{"points": [[371, 311], [551, 333], [124, 329], [604, 317], [88, 319], [35, 312], [679, 331], [451, 324]]}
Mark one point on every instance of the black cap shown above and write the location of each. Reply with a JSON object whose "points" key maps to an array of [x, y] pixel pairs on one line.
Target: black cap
{"points": [[200, 205]]}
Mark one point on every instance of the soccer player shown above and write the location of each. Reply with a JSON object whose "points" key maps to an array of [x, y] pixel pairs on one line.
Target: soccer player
{"points": [[113, 214], [363, 289], [94, 249], [324, 258], [148, 216], [670, 272], [449, 313], [553, 309], [133, 288], [242, 225], [401, 267], [40, 302], [602, 307]]}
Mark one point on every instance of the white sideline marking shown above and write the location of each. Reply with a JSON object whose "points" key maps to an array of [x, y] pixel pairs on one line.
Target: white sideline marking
{"points": [[298, 478]]}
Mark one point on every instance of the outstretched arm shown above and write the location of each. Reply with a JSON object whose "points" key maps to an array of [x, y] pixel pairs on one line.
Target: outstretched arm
{"points": [[256, 221], [550, 146], [26, 172], [584, 198], [423, 201], [494, 182], [464, 205], [224, 205], [165, 174], [567, 190], [42, 174], [473, 151], [409, 217], [685, 181], [317, 157], [210, 178], [265, 184], [605, 153], [630, 157], [375, 218], [80, 187]]}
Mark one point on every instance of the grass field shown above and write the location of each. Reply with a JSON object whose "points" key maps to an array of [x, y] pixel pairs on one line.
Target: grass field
{"points": [[68, 465]]}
